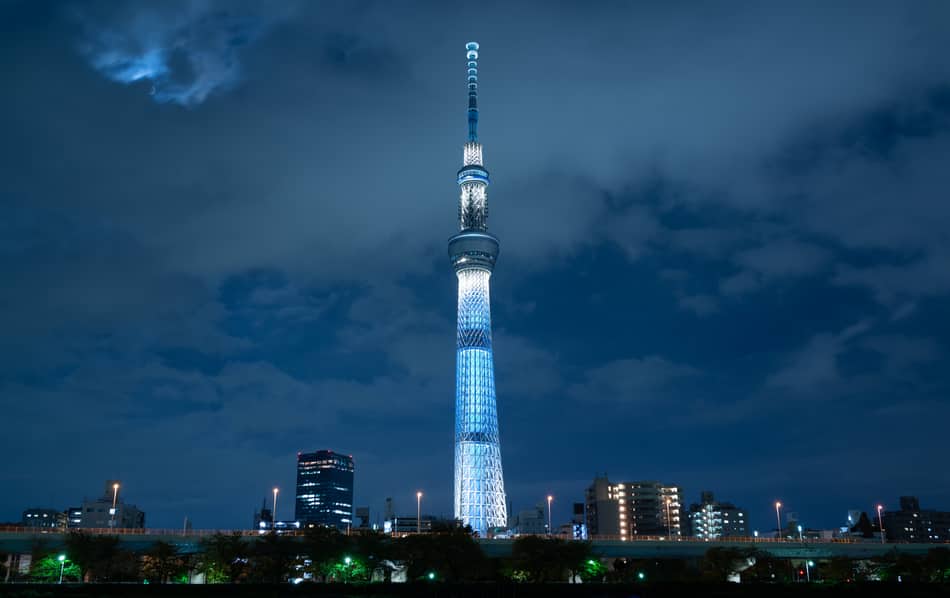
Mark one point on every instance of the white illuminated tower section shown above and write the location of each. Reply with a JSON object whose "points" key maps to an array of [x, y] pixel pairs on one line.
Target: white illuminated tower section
{"points": [[479, 483]]}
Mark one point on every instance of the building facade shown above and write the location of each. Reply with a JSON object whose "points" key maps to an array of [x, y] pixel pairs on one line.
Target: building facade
{"points": [[629, 510], [913, 524], [74, 517], [532, 521], [710, 519], [43, 518], [479, 481], [324, 490], [109, 510], [410, 524]]}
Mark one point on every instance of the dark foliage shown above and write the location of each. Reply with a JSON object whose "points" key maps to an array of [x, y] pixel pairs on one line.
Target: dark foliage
{"points": [[224, 558], [100, 559], [162, 563], [452, 554], [539, 559]]}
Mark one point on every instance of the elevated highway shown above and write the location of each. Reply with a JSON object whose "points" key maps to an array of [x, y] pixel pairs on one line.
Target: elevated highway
{"points": [[22, 540]]}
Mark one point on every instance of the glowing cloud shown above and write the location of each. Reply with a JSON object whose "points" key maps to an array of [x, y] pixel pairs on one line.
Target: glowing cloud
{"points": [[186, 50]]}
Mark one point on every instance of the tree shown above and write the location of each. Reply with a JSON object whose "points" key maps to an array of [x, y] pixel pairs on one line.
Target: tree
{"points": [[901, 565], [719, 563], [224, 558], [538, 559], [937, 565], [593, 571], [82, 550], [324, 548], [626, 570], [452, 554], [863, 526], [837, 569], [347, 570], [767, 568], [100, 558], [48, 568], [161, 563], [272, 559]]}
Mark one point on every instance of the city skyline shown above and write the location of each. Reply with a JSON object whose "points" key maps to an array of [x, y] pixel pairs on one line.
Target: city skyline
{"points": [[725, 261]]}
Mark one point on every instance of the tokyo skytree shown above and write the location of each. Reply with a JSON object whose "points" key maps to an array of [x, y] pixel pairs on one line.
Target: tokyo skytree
{"points": [[479, 482]]}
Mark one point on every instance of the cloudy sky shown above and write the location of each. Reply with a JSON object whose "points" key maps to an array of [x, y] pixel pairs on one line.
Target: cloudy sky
{"points": [[725, 235]]}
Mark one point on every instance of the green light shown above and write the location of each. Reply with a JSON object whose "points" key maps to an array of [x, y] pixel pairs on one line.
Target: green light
{"points": [[431, 575], [811, 563], [347, 560], [590, 562], [61, 558], [641, 575]]}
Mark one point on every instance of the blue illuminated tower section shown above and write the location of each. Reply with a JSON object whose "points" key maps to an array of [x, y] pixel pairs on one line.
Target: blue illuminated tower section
{"points": [[479, 482]]}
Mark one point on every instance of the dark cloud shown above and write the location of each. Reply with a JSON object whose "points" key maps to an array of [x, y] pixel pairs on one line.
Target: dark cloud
{"points": [[706, 214]]}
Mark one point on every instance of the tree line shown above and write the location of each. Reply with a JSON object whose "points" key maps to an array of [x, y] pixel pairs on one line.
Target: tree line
{"points": [[452, 555]]}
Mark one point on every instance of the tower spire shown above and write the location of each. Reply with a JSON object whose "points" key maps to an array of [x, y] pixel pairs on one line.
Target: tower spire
{"points": [[479, 481], [471, 53]]}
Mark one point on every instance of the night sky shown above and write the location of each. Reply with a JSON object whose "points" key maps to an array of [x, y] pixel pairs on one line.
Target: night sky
{"points": [[725, 249]]}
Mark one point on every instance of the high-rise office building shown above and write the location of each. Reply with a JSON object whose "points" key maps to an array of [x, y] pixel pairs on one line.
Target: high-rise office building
{"points": [[324, 489], [710, 519], [633, 509], [479, 482]]}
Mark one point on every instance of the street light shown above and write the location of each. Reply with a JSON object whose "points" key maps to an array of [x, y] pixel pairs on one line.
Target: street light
{"points": [[880, 521], [550, 498], [418, 512], [808, 566], [273, 519], [778, 520], [62, 566], [115, 496], [800, 538]]}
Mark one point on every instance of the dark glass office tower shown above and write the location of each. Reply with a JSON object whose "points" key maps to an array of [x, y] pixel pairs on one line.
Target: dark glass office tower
{"points": [[324, 489]]}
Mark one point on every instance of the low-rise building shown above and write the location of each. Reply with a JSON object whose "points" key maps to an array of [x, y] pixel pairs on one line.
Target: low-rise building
{"points": [[710, 519], [410, 524], [531, 521], [43, 518], [110, 510]]}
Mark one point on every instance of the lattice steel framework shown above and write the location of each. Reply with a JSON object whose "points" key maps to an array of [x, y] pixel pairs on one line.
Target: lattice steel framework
{"points": [[479, 482]]}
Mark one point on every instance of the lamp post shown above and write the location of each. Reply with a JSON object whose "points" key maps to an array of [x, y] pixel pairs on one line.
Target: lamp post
{"points": [[115, 497], [550, 498], [778, 519], [62, 566], [273, 522], [800, 538], [808, 566], [880, 521], [419, 512]]}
